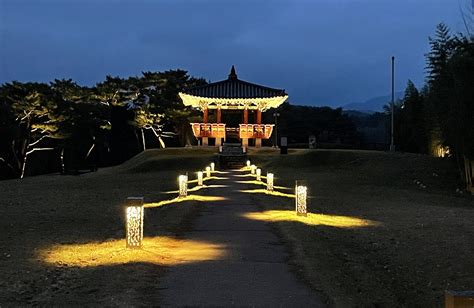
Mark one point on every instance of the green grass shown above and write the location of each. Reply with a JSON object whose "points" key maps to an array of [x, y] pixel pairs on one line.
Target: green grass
{"points": [[39, 212], [424, 243]]}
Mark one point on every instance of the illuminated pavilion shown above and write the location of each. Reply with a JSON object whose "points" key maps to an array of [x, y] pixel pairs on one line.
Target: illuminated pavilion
{"points": [[233, 94]]}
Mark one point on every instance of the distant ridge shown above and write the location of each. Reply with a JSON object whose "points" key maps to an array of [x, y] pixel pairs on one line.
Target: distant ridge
{"points": [[372, 105]]}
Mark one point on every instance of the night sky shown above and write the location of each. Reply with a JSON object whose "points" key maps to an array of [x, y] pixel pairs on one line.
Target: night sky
{"points": [[323, 52]]}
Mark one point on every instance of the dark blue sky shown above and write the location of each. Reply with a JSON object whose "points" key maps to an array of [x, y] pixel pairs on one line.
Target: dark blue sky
{"points": [[323, 52]]}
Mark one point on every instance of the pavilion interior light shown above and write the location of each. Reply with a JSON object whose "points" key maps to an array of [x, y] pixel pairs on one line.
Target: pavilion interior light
{"points": [[134, 224], [259, 174], [301, 192], [270, 181], [208, 172], [183, 185], [213, 167], [248, 163], [253, 168], [200, 176]]}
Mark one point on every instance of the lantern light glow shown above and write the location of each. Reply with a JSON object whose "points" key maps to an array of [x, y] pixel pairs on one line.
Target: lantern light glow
{"points": [[248, 163], [270, 181], [208, 172], [213, 167], [134, 224], [259, 174], [300, 199], [252, 169], [183, 185], [200, 176]]}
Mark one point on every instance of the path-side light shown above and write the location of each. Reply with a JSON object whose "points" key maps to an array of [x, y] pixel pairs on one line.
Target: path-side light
{"points": [[134, 224], [248, 163], [220, 149], [200, 175], [252, 169], [269, 181], [300, 199], [213, 167], [259, 174], [183, 185], [208, 172]]}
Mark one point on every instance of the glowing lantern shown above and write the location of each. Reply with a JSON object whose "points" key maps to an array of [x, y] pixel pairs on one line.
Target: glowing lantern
{"points": [[270, 181], [248, 163], [252, 169], [300, 198], [134, 213], [183, 185], [208, 172], [259, 174], [213, 167], [200, 175]]}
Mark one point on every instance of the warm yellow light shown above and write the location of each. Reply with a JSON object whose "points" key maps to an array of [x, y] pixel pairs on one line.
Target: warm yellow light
{"points": [[213, 167], [270, 181], [253, 168], [183, 185], [134, 223], [300, 200], [248, 163], [162, 250], [198, 198], [208, 172], [312, 219], [266, 192], [200, 176], [259, 174]]}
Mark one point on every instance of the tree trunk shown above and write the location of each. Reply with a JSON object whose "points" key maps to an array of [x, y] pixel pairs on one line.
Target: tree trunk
{"points": [[143, 139], [468, 169]]}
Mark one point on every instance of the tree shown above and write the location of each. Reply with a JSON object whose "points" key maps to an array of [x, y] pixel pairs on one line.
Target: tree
{"points": [[411, 135], [84, 124], [35, 118]]}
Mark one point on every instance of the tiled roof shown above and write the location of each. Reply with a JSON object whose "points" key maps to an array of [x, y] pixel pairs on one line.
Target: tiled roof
{"points": [[233, 87]]}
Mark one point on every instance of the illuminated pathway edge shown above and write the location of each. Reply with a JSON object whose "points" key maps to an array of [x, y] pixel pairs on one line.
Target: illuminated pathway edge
{"points": [[253, 271]]}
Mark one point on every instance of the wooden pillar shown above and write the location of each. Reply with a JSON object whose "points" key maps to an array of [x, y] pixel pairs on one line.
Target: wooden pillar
{"points": [[245, 141], [206, 115], [259, 116], [258, 141], [219, 115]]}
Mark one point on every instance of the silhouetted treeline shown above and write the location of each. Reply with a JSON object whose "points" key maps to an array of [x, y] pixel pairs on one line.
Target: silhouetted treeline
{"points": [[439, 119], [65, 127], [329, 126]]}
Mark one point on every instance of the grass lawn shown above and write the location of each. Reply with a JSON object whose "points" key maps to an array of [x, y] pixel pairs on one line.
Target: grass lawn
{"points": [[379, 238], [84, 216], [375, 236]]}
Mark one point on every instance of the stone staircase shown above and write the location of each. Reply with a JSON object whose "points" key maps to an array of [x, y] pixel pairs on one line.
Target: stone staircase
{"points": [[232, 156]]}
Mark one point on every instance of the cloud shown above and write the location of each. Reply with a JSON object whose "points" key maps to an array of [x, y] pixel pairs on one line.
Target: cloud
{"points": [[322, 52]]}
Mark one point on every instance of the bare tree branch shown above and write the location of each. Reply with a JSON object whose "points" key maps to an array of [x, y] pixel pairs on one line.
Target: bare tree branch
{"points": [[38, 149]]}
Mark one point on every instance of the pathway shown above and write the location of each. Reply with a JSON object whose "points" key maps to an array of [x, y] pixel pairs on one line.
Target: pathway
{"points": [[253, 272]]}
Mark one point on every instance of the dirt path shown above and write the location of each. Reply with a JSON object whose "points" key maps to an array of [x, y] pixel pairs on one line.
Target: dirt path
{"points": [[253, 271]]}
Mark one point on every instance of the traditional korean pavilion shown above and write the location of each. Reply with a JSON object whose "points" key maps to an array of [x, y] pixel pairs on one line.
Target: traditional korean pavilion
{"points": [[232, 95]]}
